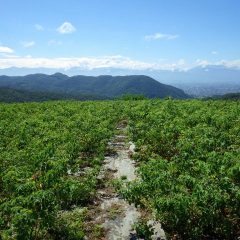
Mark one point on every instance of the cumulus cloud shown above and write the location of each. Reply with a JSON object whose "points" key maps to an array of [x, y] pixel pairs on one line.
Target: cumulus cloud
{"points": [[161, 36], [4, 49], [230, 64], [28, 44], [39, 27], [66, 28], [202, 63], [118, 61], [226, 63]]}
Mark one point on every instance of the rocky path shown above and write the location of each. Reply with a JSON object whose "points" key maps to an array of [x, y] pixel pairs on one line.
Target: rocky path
{"points": [[119, 215], [115, 214]]}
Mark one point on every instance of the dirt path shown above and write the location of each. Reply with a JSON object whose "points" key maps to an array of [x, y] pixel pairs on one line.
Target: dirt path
{"points": [[119, 215], [115, 214]]}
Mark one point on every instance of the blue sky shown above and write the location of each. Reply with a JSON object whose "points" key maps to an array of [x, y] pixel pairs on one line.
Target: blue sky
{"points": [[119, 33]]}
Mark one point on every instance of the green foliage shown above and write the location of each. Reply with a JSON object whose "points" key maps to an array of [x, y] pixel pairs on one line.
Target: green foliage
{"points": [[189, 155], [9, 95], [228, 96], [187, 151], [143, 230], [50, 155], [86, 87], [130, 97], [70, 224]]}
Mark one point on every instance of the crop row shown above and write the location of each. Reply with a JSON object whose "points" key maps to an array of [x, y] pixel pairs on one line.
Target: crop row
{"points": [[189, 154], [50, 154]]}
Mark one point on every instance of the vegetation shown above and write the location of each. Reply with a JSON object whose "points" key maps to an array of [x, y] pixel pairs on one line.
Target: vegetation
{"points": [[104, 86], [45, 151], [9, 95], [187, 152], [228, 96], [132, 97], [189, 155]]}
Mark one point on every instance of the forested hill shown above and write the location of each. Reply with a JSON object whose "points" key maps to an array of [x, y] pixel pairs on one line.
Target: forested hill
{"points": [[228, 96], [107, 86], [9, 95]]}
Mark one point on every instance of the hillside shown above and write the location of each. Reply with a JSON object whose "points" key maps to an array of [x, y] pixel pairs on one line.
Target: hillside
{"points": [[228, 96], [200, 81], [9, 95], [107, 86]]}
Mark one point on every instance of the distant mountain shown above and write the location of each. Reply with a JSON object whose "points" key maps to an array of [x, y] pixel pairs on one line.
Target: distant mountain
{"points": [[228, 96], [105, 85], [199, 81], [204, 81]]}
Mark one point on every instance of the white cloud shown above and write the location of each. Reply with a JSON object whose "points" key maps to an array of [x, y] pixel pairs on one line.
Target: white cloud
{"points": [[90, 63], [8, 55], [230, 64], [226, 63], [202, 63], [54, 43], [4, 49], [28, 44], [118, 61], [161, 36], [66, 28], [39, 27]]}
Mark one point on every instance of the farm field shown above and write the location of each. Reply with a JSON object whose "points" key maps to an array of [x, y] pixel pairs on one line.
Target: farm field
{"points": [[187, 159]]}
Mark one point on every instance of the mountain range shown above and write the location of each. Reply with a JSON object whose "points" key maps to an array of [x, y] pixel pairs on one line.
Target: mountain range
{"points": [[103, 87], [199, 81]]}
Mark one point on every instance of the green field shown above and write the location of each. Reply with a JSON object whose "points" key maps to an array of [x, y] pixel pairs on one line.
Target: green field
{"points": [[188, 154]]}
